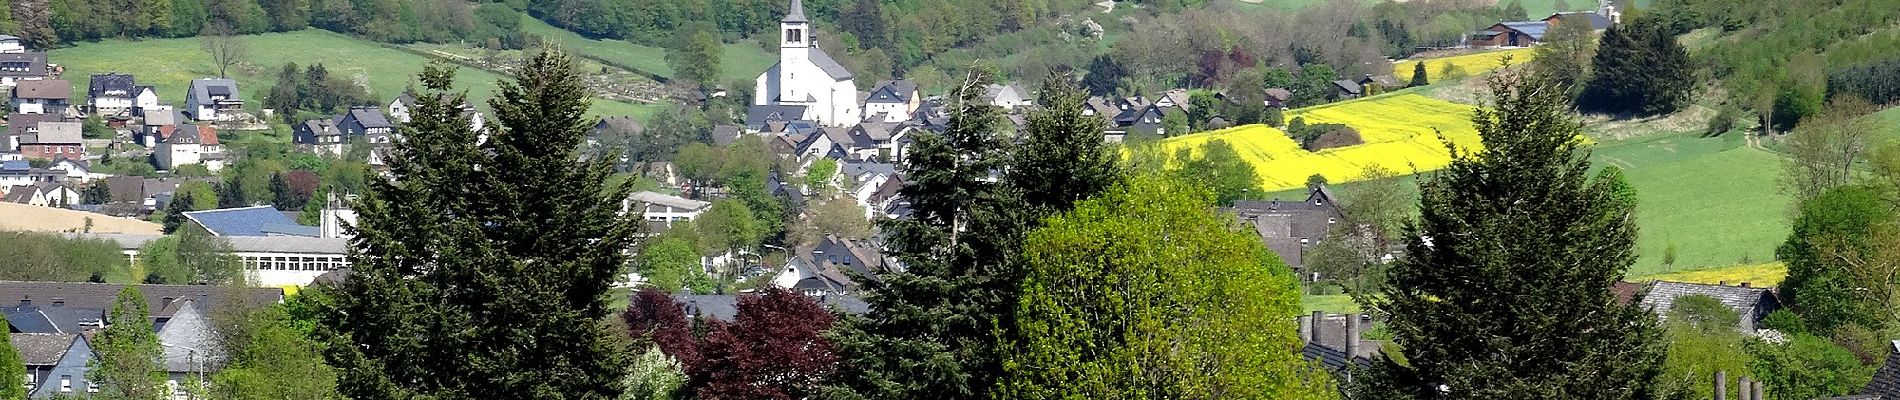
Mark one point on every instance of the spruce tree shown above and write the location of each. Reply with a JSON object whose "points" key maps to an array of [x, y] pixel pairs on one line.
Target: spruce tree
{"points": [[1418, 75], [12, 367], [1638, 69], [176, 209], [1505, 291], [1063, 159], [481, 269]]}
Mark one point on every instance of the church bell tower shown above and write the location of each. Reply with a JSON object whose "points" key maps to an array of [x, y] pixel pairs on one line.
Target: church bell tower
{"points": [[794, 48]]}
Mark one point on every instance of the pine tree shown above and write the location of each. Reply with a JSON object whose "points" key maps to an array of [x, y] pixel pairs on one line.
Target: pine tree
{"points": [[176, 209], [1639, 69], [1505, 291], [1062, 160], [280, 194], [481, 269], [1418, 75], [12, 367], [1104, 76], [127, 366]]}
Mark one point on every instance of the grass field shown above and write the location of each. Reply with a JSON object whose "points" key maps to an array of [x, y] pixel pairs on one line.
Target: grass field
{"points": [[740, 61], [1463, 65], [1401, 133], [171, 64]]}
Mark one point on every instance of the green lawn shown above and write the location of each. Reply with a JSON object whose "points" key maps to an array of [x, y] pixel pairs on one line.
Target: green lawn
{"points": [[742, 61], [1334, 303], [171, 64]]}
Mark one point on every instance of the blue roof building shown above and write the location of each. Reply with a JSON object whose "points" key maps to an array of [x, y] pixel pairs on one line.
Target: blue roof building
{"points": [[248, 221]]}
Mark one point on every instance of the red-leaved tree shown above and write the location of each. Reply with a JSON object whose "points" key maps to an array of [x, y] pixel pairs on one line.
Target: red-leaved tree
{"points": [[774, 349], [656, 317]]}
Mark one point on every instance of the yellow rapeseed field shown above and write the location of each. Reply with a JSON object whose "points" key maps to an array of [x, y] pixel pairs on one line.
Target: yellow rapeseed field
{"points": [[1401, 133], [1466, 65], [1761, 275]]}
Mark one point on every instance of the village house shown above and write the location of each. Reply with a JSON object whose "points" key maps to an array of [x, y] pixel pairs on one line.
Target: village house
{"points": [[1347, 89], [402, 108], [367, 123], [318, 135], [181, 319], [1290, 228], [22, 173], [1278, 97], [269, 261], [806, 76], [892, 101], [772, 118], [55, 363], [1009, 97], [1751, 303], [111, 94], [23, 66], [51, 140], [829, 266], [44, 96], [145, 100], [190, 144], [19, 126], [662, 210], [42, 194], [878, 141], [613, 126], [213, 99], [159, 126], [10, 44], [1337, 343]]}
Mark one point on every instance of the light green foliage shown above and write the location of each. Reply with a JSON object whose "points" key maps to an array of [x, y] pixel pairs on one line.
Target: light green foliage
{"points": [[202, 196], [1219, 165], [729, 225], [272, 359], [695, 53], [12, 367], [1807, 367], [669, 262], [1696, 354], [191, 256], [819, 175], [1832, 230], [654, 376], [94, 128], [128, 363], [192, 171], [1142, 292]]}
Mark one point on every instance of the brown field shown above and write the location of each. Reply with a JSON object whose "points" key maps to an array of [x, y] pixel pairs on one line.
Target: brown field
{"points": [[21, 217]]}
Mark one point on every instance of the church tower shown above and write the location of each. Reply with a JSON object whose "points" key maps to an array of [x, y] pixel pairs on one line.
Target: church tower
{"points": [[796, 41]]}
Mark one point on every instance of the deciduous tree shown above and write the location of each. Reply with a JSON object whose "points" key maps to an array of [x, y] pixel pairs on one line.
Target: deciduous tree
{"points": [[12, 367], [127, 365], [774, 349]]}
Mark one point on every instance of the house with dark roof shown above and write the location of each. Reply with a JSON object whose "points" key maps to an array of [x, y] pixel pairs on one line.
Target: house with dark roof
{"points": [[1290, 228], [12, 44], [55, 363], [22, 66], [1337, 343], [1278, 97], [1596, 20], [111, 94], [1751, 303], [318, 135], [725, 307], [1009, 96], [1885, 384], [772, 118], [247, 221], [213, 99], [1509, 34], [41, 96], [1347, 89], [892, 101], [367, 123]]}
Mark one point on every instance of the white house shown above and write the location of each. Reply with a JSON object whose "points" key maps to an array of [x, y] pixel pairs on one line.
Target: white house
{"points": [[806, 76], [213, 99], [22, 66], [662, 210], [10, 44], [44, 96], [892, 101], [41, 194], [1007, 96], [190, 144], [110, 94], [145, 99]]}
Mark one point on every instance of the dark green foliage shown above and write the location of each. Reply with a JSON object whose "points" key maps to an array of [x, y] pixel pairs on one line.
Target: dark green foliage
{"points": [[47, 22], [1513, 10], [1062, 159], [1315, 86], [176, 209], [95, 128], [1104, 76], [1784, 321], [1795, 102], [1473, 306], [1419, 77], [1807, 367], [37, 256], [1316, 137], [1878, 82], [313, 89], [1639, 70], [694, 53], [474, 281], [1833, 224]]}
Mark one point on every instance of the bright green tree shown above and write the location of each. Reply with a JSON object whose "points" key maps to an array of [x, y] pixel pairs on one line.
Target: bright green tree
{"points": [[1830, 230], [1703, 339], [729, 225], [1473, 305], [669, 263], [127, 366], [1141, 292], [271, 359], [475, 281], [819, 175], [12, 367], [1807, 367], [1219, 165]]}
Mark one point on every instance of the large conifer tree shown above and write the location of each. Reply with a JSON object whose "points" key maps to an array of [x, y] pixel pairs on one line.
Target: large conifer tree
{"points": [[482, 265], [1505, 291]]}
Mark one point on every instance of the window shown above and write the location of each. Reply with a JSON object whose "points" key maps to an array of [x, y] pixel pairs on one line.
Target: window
{"points": [[794, 36], [65, 383], [1332, 221], [92, 387]]}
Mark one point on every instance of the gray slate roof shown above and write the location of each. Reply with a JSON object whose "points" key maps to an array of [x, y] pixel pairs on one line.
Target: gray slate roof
{"points": [[725, 307], [1751, 303], [757, 116], [831, 67], [204, 88], [107, 82], [23, 65], [796, 13], [897, 91], [1886, 381], [42, 348], [56, 133]]}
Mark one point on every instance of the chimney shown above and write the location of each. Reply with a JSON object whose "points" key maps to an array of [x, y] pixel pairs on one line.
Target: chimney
{"points": [[1352, 337], [1757, 392], [1306, 328], [1721, 283], [1721, 385], [1319, 320], [1744, 284], [165, 302], [26, 301], [1744, 386], [59, 302]]}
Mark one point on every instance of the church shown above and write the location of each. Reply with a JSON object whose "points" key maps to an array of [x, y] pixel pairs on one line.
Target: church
{"points": [[806, 78]]}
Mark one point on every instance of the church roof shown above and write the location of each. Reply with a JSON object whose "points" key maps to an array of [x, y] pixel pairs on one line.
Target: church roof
{"points": [[831, 67], [797, 13]]}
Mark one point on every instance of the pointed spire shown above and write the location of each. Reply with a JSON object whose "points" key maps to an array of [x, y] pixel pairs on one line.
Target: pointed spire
{"points": [[797, 12]]}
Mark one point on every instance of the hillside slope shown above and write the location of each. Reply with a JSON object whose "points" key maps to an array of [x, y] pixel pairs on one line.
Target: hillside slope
{"points": [[171, 64]]}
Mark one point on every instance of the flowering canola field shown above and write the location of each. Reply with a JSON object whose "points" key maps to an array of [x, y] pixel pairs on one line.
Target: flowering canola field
{"points": [[1468, 64], [1401, 134]]}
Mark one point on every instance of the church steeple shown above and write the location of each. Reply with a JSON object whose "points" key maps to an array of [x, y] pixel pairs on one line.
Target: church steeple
{"points": [[795, 30], [797, 13]]}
